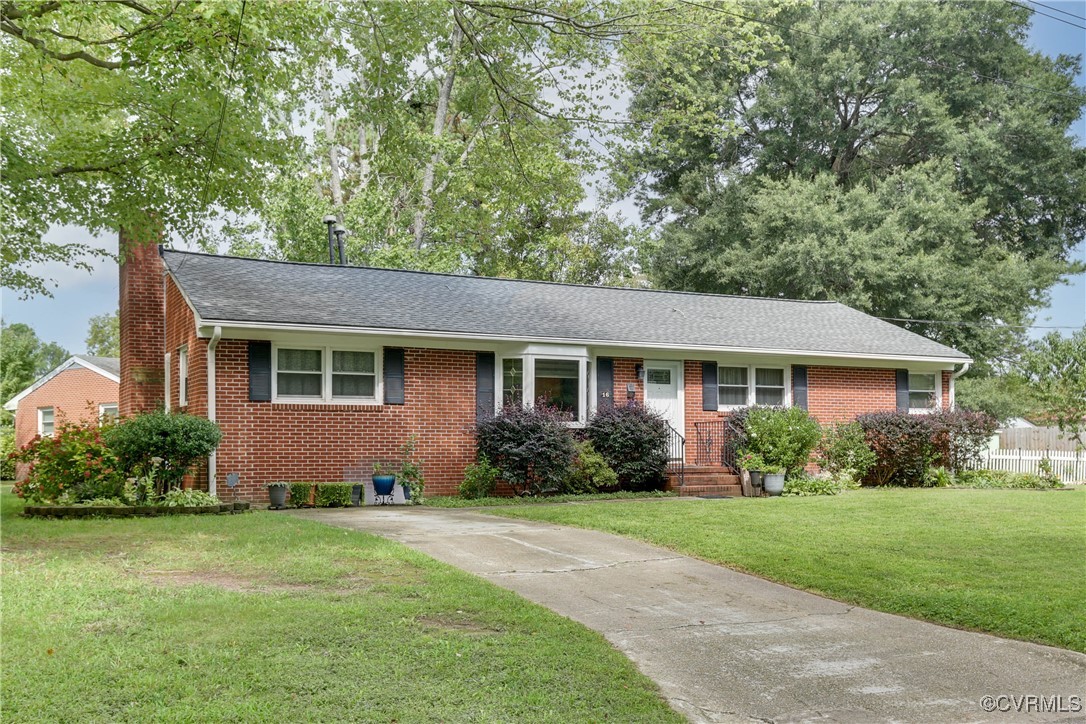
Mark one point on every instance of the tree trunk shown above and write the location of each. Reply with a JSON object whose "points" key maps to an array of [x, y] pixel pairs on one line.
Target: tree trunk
{"points": [[444, 95]]}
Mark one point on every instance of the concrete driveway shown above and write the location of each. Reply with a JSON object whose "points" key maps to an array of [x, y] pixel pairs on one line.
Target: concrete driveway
{"points": [[725, 646]]}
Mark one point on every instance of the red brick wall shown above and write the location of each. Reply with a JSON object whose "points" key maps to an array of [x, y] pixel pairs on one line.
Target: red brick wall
{"points": [[264, 442], [625, 373], [946, 389], [74, 395], [839, 394], [141, 319]]}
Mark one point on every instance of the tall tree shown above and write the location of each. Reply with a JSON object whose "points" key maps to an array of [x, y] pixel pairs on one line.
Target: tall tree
{"points": [[1054, 367], [104, 335], [24, 358], [140, 114], [910, 159]]}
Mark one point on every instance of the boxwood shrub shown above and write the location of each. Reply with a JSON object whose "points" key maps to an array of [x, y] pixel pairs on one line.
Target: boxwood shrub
{"points": [[333, 495], [299, 494], [633, 440]]}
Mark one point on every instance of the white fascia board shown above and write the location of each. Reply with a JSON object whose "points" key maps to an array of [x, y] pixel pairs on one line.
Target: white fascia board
{"points": [[243, 330], [71, 362]]}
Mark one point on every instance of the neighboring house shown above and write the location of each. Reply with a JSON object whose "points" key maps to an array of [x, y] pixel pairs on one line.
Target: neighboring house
{"points": [[83, 389], [315, 371]]}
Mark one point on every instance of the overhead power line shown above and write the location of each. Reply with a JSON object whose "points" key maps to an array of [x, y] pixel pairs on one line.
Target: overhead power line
{"points": [[1055, 9], [1035, 11]]}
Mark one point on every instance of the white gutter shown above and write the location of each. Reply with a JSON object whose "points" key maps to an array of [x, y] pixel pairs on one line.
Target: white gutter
{"points": [[956, 375], [474, 336], [211, 346]]}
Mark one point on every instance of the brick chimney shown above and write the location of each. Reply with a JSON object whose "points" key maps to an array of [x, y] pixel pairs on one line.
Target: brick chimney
{"points": [[142, 322]]}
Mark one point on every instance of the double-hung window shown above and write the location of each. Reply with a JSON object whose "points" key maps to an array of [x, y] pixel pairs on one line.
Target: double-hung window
{"points": [[923, 391], [45, 421], [744, 385], [325, 374], [556, 381], [107, 412]]}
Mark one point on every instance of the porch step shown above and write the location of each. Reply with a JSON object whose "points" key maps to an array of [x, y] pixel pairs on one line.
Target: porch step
{"points": [[710, 491], [705, 480]]}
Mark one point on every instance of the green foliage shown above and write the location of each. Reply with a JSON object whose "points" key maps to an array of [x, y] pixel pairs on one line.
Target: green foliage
{"points": [[178, 498], [24, 358], [782, 437], [531, 447], [844, 449], [1001, 396], [410, 474], [333, 495], [104, 335], [803, 485], [480, 480], [591, 473], [7, 449], [114, 116], [299, 494], [168, 443], [74, 464], [633, 441], [1054, 368], [1004, 479], [506, 502], [856, 165]]}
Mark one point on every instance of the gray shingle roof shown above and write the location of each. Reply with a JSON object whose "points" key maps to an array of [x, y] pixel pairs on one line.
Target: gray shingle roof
{"points": [[109, 364], [256, 291]]}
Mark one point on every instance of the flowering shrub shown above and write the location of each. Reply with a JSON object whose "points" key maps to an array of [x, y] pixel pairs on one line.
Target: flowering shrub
{"points": [[74, 465], [783, 438], [179, 440], [960, 436], [905, 446], [633, 440], [844, 449]]}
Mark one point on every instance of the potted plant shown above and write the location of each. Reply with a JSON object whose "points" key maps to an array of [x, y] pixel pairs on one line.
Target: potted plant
{"points": [[411, 472], [754, 464], [277, 495], [773, 479], [384, 480]]}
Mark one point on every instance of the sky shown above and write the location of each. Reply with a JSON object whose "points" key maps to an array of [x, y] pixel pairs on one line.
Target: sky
{"points": [[79, 295]]}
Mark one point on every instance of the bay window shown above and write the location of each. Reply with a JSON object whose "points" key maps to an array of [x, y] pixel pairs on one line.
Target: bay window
{"points": [[557, 381]]}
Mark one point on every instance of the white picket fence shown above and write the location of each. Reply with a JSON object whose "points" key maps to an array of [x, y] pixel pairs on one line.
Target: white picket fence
{"points": [[1069, 466]]}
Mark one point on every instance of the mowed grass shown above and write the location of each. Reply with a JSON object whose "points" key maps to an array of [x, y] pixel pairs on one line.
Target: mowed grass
{"points": [[265, 617], [1009, 562]]}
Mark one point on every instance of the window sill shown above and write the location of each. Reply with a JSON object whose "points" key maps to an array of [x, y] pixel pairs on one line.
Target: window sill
{"points": [[321, 405]]}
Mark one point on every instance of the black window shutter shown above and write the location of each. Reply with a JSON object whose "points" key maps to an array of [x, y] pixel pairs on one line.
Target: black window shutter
{"points": [[394, 376], [260, 371], [605, 383], [710, 393], [799, 386], [484, 385], [903, 390]]}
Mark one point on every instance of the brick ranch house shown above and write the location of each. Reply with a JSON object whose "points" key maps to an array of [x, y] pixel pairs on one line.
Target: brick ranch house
{"points": [[83, 389], [314, 371]]}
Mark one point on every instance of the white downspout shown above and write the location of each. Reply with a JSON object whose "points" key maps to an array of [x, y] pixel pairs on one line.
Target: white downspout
{"points": [[956, 375], [212, 344]]}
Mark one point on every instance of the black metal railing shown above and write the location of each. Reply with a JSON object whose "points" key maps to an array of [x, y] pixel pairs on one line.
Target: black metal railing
{"points": [[718, 444], [676, 454]]}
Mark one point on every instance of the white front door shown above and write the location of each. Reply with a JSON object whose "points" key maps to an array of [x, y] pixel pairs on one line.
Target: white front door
{"points": [[663, 394]]}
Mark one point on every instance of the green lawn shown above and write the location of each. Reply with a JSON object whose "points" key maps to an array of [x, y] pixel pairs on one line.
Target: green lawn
{"points": [[1010, 562], [265, 617]]}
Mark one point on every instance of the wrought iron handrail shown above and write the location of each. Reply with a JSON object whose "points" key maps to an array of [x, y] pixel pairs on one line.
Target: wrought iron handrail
{"points": [[676, 454], [718, 444]]}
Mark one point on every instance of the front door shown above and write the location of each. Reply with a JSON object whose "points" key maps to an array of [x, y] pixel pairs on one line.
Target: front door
{"points": [[663, 394]]}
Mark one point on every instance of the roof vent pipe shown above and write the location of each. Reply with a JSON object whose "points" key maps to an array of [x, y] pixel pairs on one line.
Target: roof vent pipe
{"points": [[340, 233], [331, 222]]}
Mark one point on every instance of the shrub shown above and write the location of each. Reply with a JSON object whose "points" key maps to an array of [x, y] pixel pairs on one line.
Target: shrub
{"points": [[591, 473], [844, 448], [178, 498], [782, 437], [480, 480], [633, 440], [333, 495], [803, 484], [178, 440], [411, 471], [531, 448], [902, 445], [1004, 479], [299, 494], [960, 436], [74, 465], [7, 450]]}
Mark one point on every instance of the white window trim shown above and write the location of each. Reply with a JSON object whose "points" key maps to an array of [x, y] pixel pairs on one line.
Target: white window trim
{"points": [[326, 376], [102, 409], [529, 381], [752, 384], [182, 376], [938, 393], [41, 421]]}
